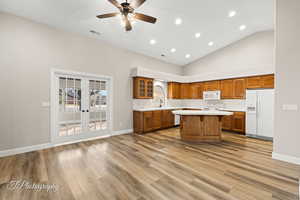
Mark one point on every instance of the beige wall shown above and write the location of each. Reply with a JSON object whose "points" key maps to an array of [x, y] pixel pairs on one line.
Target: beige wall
{"points": [[254, 54], [28, 51], [287, 132]]}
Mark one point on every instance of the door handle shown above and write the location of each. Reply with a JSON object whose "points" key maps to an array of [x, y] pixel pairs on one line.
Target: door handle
{"points": [[83, 111], [87, 111]]}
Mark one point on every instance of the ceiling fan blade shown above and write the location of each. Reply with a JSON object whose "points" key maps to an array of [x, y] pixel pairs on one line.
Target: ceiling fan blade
{"points": [[128, 26], [108, 15], [116, 3], [136, 3], [145, 18]]}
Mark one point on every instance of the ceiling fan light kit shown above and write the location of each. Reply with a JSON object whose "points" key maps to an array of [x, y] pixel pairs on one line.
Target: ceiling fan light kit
{"points": [[128, 14]]}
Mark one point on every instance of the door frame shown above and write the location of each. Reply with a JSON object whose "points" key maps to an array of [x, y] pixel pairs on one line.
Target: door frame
{"points": [[53, 117]]}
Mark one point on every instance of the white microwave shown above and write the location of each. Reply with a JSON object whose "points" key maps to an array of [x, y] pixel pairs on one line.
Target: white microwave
{"points": [[212, 95]]}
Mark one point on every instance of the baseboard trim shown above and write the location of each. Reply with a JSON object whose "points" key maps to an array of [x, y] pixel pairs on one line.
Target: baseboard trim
{"points": [[122, 132], [15, 151], [286, 158], [26, 149]]}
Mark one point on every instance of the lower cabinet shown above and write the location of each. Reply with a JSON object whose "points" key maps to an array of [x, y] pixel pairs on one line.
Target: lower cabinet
{"points": [[235, 122], [148, 121]]}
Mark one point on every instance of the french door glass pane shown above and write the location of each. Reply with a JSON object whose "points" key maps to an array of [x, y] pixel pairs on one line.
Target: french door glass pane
{"points": [[97, 105], [69, 115]]}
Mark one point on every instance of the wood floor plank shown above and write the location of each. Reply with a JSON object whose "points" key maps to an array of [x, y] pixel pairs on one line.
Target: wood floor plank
{"points": [[154, 166]]}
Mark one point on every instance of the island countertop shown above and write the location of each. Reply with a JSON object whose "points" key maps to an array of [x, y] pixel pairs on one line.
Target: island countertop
{"points": [[202, 112]]}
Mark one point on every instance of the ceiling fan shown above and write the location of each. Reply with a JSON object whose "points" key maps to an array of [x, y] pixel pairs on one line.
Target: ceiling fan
{"points": [[128, 14]]}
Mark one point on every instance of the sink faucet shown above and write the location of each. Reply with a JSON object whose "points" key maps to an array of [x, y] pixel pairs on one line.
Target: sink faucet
{"points": [[161, 102]]}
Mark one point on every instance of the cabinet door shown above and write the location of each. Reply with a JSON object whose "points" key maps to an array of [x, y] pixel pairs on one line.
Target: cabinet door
{"points": [[227, 89], [185, 91], [149, 88], [173, 90], [238, 122], [148, 126], [212, 85], [267, 81], [254, 82], [239, 88], [156, 119], [196, 91], [227, 123], [138, 122], [167, 119]]}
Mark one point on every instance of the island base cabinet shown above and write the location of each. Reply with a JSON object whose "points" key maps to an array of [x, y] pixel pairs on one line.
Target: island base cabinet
{"points": [[201, 128]]}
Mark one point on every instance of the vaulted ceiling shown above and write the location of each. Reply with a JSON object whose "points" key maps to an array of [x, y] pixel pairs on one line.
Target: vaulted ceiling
{"points": [[207, 17]]}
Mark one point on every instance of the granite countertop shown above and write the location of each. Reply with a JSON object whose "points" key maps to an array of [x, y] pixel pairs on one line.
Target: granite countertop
{"points": [[187, 107], [201, 112]]}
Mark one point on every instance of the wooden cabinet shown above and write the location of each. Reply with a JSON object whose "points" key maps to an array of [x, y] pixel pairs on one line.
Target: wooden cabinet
{"points": [[185, 91], [168, 119], [227, 123], [235, 122], [196, 90], [142, 88], [266, 81], [239, 88], [212, 85], [238, 122], [174, 90], [233, 88], [227, 89], [148, 121], [156, 119]]}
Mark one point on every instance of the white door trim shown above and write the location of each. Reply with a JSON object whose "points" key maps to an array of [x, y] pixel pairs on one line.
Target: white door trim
{"points": [[54, 72]]}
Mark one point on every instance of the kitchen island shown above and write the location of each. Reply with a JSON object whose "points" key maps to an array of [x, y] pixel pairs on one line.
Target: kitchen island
{"points": [[201, 125]]}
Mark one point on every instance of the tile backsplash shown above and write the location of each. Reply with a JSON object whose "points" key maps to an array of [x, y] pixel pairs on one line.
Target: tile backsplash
{"points": [[227, 104]]}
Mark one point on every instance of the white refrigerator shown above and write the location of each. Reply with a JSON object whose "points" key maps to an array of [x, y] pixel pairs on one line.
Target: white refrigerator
{"points": [[260, 113]]}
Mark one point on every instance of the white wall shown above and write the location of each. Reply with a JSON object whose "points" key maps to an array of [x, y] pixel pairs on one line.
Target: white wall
{"points": [[287, 123], [249, 56], [28, 51]]}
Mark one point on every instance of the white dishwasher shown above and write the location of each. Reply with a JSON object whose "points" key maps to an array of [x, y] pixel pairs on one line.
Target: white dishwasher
{"points": [[177, 120]]}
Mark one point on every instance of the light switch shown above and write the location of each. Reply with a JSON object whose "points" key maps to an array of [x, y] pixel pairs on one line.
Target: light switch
{"points": [[291, 107], [45, 104]]}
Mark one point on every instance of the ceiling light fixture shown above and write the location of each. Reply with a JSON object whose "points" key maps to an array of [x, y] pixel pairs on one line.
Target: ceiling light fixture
{"points": [[197, 35], [187, 55], [210, 43], [232, 13], [178, 21], [243, 27], [173, 50], [152, 42]]}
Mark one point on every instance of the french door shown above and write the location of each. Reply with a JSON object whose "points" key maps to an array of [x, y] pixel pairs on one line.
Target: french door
{"points": [[81, 106]]}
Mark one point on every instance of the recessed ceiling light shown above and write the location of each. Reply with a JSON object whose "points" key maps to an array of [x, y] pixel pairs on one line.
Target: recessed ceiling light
{"points": [[210, 43], [187, 55], [152, 42], [173, 50], [232, 13], [197, 35], [178, 21], [243, 27]]}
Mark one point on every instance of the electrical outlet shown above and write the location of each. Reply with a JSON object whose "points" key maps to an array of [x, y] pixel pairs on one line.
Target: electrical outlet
{"points": [[290, 107]]}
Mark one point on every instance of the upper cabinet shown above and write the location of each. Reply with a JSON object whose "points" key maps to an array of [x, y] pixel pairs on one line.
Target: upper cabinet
{"points": [[239, 88], [230, 89], [185, 90], [256, 82], [174, 90], [142, 88], [196, 90], [227, 89], [212, 85], [233, 88]]}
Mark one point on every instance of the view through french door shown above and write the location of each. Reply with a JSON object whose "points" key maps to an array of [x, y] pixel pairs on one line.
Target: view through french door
{"points": [[81, 106]]}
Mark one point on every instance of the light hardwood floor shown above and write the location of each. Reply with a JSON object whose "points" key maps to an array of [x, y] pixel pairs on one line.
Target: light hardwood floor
{"points": [[154, 166]]}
